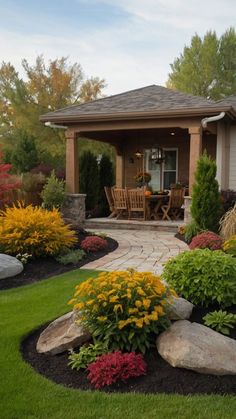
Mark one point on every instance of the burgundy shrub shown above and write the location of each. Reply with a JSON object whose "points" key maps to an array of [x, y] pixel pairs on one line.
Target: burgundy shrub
{"points": [[115, 366], [93, 244], [207, 240], [43, 168]]}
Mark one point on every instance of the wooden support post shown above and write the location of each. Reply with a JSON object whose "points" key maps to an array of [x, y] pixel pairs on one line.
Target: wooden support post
{"points": [[195, 152], [119, 171], [72, 164]]}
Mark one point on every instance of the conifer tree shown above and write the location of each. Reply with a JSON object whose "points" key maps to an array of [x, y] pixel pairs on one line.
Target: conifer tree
{"points": [[89, 179], [25, 155], [106, 177], [206, 207]]}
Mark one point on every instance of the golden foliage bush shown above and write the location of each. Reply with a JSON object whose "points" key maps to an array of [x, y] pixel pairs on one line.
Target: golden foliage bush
{"points": [[123, 309], [33, 230], [229, 246]]}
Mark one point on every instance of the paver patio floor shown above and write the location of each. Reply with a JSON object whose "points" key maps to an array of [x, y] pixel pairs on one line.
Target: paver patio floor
{"points": [[141, 250]]}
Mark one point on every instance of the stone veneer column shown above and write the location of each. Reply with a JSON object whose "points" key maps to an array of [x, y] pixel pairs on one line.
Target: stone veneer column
{"points": [[72, 164], [74, 208], [195, 152]]}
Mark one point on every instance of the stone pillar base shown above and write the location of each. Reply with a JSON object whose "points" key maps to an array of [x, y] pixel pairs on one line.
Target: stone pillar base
{"points": [[187, 212], [74, 208]]}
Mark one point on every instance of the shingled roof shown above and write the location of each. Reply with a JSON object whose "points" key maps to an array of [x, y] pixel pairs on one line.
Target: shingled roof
{"points": [[147, 99]]}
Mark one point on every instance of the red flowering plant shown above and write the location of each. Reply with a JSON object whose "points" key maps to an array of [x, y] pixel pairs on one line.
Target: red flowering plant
{"points": [[5, 180], [116, 366], [93, 244], [206, 240]]}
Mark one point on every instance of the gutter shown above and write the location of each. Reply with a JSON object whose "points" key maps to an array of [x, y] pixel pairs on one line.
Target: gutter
{"points": [[205, 121], [51, 125]]}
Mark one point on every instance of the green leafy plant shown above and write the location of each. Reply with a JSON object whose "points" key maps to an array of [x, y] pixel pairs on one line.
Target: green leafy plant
{"points": [[70, 257], [191, 230], [53, 193], [86, 355], [203, 277], [221, 321], [206, 208], [124, 309]]}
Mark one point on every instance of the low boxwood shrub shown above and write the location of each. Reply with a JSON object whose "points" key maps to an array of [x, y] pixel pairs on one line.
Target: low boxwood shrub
{"points": [[34, 230], [123, 309], [206, 240], [116, 366], [93, 244], [203, 277]]}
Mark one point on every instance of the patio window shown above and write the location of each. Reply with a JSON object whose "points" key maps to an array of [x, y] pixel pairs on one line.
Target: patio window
{"points": [[168, 169]]}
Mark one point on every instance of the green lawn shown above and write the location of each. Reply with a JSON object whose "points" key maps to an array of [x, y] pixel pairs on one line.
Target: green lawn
{"points": [[25, 394]]}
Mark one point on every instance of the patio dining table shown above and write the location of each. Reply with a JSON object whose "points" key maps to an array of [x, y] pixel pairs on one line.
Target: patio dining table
{"points": [[153, 205]]}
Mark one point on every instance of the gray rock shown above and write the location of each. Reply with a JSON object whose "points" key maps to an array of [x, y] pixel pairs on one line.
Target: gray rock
{"points": [[180, 309], [9, 266], [62, 334], [198, 348]]}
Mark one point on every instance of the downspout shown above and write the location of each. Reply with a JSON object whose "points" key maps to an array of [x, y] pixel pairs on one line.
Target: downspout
{"points": [[205, 121], [51, 125]]}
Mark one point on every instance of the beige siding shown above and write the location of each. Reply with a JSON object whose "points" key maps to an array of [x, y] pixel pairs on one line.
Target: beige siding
{"points": [[232, 158]]}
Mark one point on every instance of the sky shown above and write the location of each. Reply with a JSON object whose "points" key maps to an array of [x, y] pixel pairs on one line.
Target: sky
{"points": [[129, 43]]}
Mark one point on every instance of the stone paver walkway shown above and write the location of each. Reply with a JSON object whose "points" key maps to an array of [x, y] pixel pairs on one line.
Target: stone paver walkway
{"points": [[141, 250]]}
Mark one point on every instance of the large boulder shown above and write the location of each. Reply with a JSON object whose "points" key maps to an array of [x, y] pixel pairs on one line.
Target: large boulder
{"points": [[62, 334], [9, 266], [198, 348], [180, 309]]}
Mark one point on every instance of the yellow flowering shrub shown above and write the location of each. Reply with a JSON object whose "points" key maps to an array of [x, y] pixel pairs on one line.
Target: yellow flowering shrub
{"points": [[33, 230], [124, 309], [229, 246]]}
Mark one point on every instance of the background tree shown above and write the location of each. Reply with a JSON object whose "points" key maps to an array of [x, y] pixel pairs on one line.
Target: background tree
{"points": [[106, 178], [25, 155], [206, 208], [43, 88], [207, 67], [89, 179]]}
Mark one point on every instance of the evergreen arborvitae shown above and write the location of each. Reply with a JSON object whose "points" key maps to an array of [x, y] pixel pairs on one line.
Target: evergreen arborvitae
{"points": [[25, 156], [89, 179], [206, 207], [106, 176]]}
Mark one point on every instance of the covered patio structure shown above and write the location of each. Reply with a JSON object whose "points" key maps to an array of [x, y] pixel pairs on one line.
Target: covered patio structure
{"points": [[142, 120]]}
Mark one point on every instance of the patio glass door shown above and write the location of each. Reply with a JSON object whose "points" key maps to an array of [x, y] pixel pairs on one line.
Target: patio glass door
{"points": [[165, 174]]}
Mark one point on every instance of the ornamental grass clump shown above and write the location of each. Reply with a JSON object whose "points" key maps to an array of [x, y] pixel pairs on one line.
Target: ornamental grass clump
{"points": [[123, 309], [206, 240], [203, 277], [33, 230]]}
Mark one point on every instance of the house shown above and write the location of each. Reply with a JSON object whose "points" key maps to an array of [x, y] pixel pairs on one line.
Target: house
{"points": [[149, 120]]}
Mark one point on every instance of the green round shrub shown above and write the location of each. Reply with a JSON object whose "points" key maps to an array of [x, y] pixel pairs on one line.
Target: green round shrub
{"points": [[203, 277]]}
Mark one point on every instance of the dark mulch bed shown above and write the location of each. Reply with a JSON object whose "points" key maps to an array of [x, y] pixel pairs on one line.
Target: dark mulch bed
{"points": [[160, 378], [42, 268], [180, 237]]}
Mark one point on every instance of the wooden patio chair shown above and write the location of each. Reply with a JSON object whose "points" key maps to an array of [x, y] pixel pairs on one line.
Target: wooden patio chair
{"points": [[136, 203], [120, 201], [173, 207], [110, 201]]}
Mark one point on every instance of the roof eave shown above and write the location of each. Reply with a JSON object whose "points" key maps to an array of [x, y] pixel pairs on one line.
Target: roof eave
{"points": [[167, 113]]}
